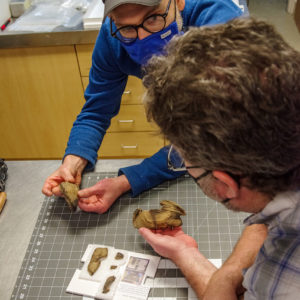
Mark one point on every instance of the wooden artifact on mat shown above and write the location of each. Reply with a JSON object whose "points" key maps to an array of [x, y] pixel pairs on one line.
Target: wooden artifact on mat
{"points": [[166, 217], [108, 283], [70, 190], [3, 176], [96, 259], [2, 200], [119, 256]]}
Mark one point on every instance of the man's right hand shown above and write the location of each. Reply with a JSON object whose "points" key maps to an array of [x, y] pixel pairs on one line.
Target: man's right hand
{"points": [[99, 197], [169, 243], [70, 171]]}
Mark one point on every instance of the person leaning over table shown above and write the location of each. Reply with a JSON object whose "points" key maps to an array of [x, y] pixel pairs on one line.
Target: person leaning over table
{"points": [[129, 36], [228, 99]]}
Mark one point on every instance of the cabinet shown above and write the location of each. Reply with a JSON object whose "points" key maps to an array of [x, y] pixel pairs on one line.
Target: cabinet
{"points": [[41, 95], [130, 134]]}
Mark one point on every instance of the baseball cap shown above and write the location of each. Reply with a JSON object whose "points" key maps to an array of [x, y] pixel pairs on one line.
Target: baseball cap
{"points": [[109, 5]]}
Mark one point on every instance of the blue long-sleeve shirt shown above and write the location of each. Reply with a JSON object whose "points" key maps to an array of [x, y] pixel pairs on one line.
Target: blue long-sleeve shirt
{"points": [[108, 76]]}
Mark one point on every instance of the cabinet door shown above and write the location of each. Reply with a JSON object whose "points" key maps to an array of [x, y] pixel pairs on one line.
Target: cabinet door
{"points": [[134, 89], [131, 118], [84, 54], [41, 95], [133, 93], [130, 144]]}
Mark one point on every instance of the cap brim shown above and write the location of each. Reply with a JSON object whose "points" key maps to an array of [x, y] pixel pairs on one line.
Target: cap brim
{"points": [[112, 4]]}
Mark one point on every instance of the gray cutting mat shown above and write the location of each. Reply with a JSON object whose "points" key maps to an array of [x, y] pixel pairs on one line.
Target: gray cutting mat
{"points": [[60, 238]]}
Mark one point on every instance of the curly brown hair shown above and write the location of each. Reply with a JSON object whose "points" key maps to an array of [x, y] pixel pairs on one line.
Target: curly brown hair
{"points": [[228, 97]]}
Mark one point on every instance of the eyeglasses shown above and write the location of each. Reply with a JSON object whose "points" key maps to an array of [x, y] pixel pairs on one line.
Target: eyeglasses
{"points": [[196, 179], [175, 161], [152, 24], [176, 164]]}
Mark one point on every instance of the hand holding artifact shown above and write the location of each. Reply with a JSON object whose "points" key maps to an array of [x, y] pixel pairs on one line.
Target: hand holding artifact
{"points": [[166, 217], [69, 191]]}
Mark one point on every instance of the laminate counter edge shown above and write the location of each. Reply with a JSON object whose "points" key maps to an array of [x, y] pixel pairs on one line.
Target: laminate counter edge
{"points": [[21, 40]]}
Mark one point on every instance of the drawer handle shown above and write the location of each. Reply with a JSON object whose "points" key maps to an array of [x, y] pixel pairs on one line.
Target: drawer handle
{"points": [[125, 121], [127, 92], [129, 147]]}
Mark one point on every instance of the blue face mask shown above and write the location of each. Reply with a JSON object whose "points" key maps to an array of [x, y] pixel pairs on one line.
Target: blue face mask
{"points": [[142, 50]]}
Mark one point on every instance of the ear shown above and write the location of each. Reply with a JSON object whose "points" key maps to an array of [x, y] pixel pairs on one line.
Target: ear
{"points": [[180, 4], [227, 186]]}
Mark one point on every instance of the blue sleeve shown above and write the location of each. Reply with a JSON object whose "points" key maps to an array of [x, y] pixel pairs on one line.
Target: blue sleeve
{"points": [[209, 12], [150, 172], [107, 81]]}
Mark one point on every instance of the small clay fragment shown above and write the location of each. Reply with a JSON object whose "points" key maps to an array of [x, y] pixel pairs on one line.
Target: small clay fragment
{"points": [[96, 259], [69, 191], [113, 267], [119, 256], [107, 284], [166, 217]]}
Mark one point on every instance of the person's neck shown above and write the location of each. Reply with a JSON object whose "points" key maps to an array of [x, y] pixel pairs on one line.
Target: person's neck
{"points": [[254, 201]]}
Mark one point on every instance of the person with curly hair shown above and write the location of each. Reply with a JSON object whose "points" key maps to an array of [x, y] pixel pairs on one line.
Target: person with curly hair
{"points": [[228, 99]]}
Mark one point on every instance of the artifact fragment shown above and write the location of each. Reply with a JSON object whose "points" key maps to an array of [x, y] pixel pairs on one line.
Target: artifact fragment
{"points": [[107, 284], [70, 190], [96, 259], [166, 217], [119, 256]]}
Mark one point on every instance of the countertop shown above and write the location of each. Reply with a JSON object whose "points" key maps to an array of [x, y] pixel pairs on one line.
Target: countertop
{"points": [[41, 39], [61, 34], [19, 215]]}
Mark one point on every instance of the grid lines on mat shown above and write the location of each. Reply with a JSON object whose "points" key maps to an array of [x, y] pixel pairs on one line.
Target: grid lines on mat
{"points": [[60, 237]]}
